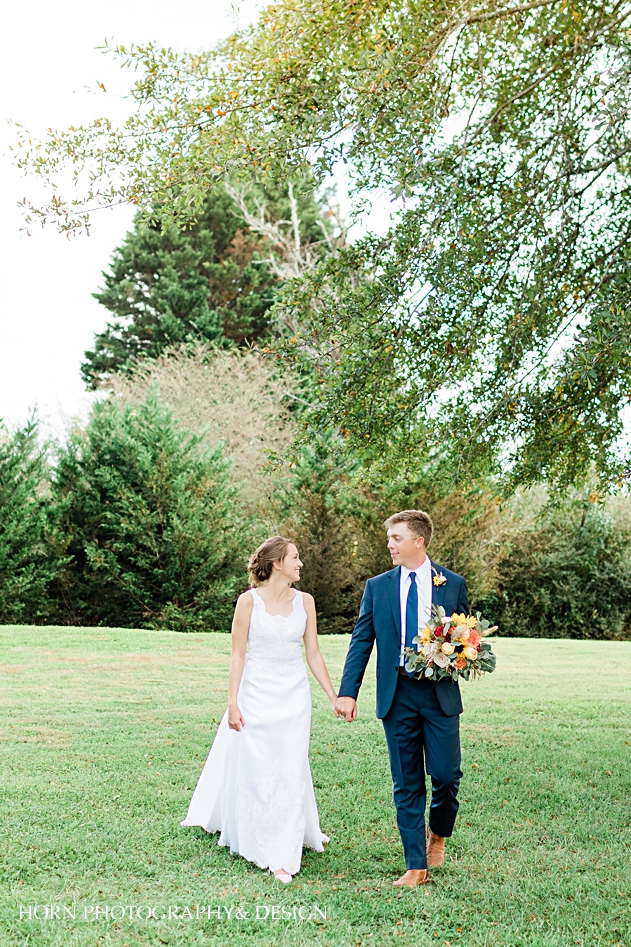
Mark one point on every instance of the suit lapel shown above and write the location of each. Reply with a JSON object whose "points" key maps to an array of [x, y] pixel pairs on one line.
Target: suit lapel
{"points": [[438, 591], [394, 580]]}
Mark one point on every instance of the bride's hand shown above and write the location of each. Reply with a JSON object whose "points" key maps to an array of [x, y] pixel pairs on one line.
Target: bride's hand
{"points": [[346, 709], [332, 702], [235, 720]]}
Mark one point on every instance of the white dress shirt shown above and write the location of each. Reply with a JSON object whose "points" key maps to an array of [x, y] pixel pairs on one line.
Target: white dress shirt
{"points": [[424, 587]]}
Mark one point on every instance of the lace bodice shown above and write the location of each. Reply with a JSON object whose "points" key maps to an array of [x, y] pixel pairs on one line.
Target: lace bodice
{"points": [[276, 640]]}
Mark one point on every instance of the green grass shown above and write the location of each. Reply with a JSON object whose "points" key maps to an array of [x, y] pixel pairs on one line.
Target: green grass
{"points": [[104, 733]]}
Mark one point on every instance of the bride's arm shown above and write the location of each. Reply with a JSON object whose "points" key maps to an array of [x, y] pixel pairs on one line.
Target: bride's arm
{"points": [[240, 627], [312, 650]]}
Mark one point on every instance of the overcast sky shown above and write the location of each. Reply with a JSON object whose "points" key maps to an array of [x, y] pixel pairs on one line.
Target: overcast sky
{"points": [[47, 314]]}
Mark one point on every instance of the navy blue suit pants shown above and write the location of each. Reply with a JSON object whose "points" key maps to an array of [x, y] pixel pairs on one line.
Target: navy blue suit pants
{"points": [[421, 738]]}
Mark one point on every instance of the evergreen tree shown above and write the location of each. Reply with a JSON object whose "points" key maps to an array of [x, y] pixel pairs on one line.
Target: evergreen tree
{"points": [[211, 282], [28, 560], [317, 509], [148, 517]]}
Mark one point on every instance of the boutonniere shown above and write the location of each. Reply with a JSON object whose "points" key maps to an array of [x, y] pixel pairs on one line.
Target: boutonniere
{"points": [[439, 578]]}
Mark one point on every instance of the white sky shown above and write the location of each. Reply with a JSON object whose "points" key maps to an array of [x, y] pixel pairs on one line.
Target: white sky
{"points": [[49, 75], [47, 314]]}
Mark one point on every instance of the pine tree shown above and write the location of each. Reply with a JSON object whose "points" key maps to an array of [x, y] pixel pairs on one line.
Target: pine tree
{"points": [[149, 519], [28, 560], [210, 283]]}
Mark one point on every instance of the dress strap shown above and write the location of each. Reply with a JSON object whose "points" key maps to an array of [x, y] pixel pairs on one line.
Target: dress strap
{"points": [[256, 598]]}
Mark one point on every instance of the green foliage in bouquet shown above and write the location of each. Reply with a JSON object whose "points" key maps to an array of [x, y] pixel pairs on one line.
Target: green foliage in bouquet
{"points": [[452, 646], [150, 523]]}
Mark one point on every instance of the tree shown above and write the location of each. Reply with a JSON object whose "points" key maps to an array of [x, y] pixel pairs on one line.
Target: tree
{"points": [[315, 508], [335, 508], [214, 281], [233, 397], [149, 521], [29, 555], [492, 320], [566, 575]]}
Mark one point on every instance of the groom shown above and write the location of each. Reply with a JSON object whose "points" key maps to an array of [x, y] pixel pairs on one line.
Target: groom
{"points": [[420, 717]]}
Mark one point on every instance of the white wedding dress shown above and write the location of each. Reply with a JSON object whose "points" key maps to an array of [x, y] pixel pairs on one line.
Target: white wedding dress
{"points": [[255, 787]]}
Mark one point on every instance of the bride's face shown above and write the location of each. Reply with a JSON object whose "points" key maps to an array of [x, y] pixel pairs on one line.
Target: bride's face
{"points": [[291, 565]]}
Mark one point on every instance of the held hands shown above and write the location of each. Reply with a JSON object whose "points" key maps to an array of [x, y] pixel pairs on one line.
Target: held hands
{"points": [[235, 720], [345, 708]]}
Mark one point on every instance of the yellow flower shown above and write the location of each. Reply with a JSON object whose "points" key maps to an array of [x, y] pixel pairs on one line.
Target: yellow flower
{"points": [[472, 621]]}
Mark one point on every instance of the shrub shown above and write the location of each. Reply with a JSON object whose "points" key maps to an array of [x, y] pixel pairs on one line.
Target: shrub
{"points": [[566, 575], [149, 521], [236, 398]]}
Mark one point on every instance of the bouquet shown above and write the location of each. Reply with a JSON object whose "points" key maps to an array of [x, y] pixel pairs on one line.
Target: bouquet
{"points": [[451, 647]]}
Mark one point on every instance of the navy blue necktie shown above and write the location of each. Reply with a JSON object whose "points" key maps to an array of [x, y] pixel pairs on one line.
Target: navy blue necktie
{"points": [[411, 614]]}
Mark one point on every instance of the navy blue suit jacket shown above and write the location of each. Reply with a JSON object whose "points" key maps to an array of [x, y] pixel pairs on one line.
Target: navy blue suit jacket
{"points": [[380, 620]]}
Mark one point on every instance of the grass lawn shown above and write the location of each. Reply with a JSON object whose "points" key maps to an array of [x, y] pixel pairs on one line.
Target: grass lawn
{"points": [[103, 736]]}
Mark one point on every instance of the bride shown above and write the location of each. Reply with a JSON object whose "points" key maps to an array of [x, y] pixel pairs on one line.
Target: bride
{"points": [[255, 788]]}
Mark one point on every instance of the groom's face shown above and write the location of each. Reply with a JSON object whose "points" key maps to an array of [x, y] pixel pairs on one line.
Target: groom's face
{"points": [[405, 548]]}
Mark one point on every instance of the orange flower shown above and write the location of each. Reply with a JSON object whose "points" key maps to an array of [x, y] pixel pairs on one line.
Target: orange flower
{"points": [[474, 639], [461, 661]]}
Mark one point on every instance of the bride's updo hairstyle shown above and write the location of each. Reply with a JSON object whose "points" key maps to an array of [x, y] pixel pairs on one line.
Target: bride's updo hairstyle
{"points": [[262, 561]]}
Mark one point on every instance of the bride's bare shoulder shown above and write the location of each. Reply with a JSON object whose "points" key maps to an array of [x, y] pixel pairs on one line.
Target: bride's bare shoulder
{"points": [[245, 602], [308, 600]]}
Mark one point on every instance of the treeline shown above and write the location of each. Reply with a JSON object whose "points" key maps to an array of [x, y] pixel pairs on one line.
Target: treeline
{"points": [[146, 517]]}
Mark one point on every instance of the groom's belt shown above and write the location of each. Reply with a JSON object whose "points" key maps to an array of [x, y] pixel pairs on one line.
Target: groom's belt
{"points": [[423, 680]]}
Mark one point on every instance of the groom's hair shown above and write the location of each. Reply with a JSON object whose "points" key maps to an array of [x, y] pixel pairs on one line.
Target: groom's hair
{"points": [[420, 523]]}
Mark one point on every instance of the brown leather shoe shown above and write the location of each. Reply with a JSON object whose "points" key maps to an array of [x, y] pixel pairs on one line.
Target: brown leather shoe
{"points": [[435, 849], [412, 878]]}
